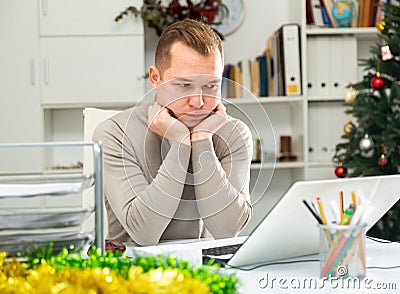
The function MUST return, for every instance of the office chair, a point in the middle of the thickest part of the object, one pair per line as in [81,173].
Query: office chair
[92,117]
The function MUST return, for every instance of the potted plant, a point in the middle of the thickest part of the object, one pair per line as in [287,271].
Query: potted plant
[157,15]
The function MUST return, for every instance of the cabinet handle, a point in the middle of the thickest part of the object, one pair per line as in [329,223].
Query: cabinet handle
[44,7]
[33,71]
[46,71]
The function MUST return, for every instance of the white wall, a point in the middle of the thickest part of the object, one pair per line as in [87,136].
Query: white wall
[262,18]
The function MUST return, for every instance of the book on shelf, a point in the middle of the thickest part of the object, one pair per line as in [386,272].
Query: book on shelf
[309,14]
[369,12]
[328,4]
[366,13]
[255,77]
[225,81]
[317,12]
[270,64]
[356,7]
[326,14]
[379,13]
[275,72]
[262,63]
[278,86]
[235,86]
[244,66]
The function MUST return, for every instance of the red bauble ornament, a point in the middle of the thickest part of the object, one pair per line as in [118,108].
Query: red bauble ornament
[382,160]
[377,82]
[340,171]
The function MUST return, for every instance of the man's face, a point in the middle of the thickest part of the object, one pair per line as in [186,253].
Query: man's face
[191,87]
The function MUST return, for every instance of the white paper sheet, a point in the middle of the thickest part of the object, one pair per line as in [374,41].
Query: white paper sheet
[27,190]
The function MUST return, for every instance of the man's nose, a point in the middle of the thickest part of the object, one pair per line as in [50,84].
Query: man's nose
[196,100]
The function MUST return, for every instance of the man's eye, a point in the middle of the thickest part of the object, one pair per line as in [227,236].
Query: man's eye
[182,85]
[211,86]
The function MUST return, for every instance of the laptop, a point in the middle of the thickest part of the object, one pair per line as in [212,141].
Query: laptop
[289,229]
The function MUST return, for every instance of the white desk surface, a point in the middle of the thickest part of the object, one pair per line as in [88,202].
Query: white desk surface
[291,278]
[297,277]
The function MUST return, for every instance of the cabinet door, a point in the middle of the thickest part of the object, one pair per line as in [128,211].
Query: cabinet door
[92,70]
[20,110]
[87,17]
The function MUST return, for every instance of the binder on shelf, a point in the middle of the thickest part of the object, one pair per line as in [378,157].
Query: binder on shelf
[326,122]
[332,65]
[343,64]
[290,59]
[318,61]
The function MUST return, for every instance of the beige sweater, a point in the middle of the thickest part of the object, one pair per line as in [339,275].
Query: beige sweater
[160,190]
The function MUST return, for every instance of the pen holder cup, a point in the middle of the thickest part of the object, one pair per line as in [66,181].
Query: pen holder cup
[342,251]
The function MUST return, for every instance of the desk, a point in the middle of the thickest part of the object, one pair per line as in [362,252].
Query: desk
[291,278]
[304,277]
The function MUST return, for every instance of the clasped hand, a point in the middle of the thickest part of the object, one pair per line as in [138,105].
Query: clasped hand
[162,122]
[207,127]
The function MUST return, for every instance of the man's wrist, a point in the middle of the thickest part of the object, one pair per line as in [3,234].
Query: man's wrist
[200,135]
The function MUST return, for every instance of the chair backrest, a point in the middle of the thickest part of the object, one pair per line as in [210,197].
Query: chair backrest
[92,117]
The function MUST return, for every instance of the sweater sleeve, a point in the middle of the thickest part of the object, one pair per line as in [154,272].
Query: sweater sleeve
[143,208]
[221,172]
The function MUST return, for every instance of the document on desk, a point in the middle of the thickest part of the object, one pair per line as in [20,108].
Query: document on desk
[29,190]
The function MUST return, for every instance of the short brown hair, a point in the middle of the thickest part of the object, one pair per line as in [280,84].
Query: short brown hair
[191,33]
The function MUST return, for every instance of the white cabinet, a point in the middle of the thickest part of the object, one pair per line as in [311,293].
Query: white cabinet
[20,109]
[87,17]
[57,57]
[92,70]
[89,59]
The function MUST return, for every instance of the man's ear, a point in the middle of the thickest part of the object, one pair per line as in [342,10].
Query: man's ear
[154,76]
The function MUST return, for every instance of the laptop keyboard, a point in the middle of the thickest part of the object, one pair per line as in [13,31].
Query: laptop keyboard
[222,250]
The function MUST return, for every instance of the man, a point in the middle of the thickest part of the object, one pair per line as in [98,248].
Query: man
[178,168]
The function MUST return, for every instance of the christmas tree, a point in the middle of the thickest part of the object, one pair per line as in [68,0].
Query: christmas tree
[371,143]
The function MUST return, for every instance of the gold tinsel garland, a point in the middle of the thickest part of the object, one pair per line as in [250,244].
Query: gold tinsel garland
[20,277]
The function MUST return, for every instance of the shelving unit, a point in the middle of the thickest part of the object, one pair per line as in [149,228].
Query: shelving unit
[319,118]
[325,113]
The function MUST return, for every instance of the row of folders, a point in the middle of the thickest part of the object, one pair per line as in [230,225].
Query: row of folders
[276,72]
[344,13]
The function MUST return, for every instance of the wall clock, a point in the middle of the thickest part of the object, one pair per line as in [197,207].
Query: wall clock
[235,18]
